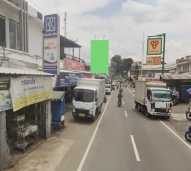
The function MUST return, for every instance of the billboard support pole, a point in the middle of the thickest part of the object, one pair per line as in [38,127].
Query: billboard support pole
[163,57]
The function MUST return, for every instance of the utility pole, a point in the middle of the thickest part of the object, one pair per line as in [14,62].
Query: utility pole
[65,24]
[163,57]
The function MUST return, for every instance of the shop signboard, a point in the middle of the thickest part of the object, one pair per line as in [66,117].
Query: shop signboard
[51,44]
[5,100]
[26,91]
[51,25]
[154,46]
[154,60]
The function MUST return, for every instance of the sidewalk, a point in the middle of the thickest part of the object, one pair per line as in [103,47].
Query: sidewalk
[48,154]
[178,112]
[46,157]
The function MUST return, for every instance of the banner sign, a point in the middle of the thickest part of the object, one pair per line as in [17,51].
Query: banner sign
[26,91]
[156,60]
[5,100]
[70,64]
[51,44]
[154,46]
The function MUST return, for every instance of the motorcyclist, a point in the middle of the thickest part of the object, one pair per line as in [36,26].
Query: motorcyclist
[120,96]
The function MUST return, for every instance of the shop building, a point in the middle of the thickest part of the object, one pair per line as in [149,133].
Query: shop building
[20,32]
[25,110]
[184,65]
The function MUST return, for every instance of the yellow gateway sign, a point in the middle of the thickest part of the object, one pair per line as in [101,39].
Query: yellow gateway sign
[154,46]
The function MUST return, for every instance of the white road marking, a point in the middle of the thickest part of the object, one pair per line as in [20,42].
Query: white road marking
[126,115]
[92,138]
[135,149]
[176,135]
[123,103]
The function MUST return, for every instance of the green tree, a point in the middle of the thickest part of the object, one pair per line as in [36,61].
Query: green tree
[116,62]
[127,62]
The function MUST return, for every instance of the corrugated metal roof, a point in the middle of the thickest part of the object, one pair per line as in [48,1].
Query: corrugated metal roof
[184,76]
[23,71]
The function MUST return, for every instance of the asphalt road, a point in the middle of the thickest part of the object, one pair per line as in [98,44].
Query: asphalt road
[125,140]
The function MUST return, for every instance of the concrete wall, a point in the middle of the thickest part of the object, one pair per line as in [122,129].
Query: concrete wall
[35,28]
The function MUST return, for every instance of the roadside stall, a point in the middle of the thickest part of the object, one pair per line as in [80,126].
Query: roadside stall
[26,110]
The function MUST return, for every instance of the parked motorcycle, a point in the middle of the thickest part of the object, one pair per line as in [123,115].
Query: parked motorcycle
[188,134]
[188,112]
[188,115]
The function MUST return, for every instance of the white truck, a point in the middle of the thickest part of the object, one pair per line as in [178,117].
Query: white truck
[153,98]
[88,98]
[108,87]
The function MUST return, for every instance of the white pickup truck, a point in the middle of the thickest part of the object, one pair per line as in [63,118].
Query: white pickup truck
[153,98]
[88,98]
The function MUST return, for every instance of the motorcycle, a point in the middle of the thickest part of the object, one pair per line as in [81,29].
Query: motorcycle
[188,134]
[188,114]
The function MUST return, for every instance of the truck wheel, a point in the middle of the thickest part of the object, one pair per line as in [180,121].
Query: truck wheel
[147,114]
[75,117]
[93,118]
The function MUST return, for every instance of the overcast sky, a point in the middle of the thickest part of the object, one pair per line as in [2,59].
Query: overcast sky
[124,22]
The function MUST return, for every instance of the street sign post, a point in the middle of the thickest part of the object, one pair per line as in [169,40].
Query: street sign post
[156,50]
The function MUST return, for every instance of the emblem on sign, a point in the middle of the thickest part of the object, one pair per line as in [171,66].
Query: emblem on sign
[154,46]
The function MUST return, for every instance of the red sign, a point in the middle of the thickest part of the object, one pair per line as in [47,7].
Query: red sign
[70,64]
[154,60]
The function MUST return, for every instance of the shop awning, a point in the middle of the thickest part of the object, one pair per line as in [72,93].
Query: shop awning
[23,71]
[184,76]
[67,43]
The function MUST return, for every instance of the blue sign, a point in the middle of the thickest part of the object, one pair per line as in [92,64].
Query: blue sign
[64,80]
[51,25]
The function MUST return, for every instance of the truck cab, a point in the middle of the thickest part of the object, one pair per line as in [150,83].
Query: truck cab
[158,101]
[153,98]
[108,87]
[88,98]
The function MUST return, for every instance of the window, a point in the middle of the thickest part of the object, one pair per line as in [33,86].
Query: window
[84,95]
[13,34]
[2,31]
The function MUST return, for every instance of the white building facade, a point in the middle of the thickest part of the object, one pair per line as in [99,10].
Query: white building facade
[21,35]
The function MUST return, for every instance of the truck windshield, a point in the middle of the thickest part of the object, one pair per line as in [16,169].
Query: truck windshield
[84,95]
[161,95]
[108,86]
